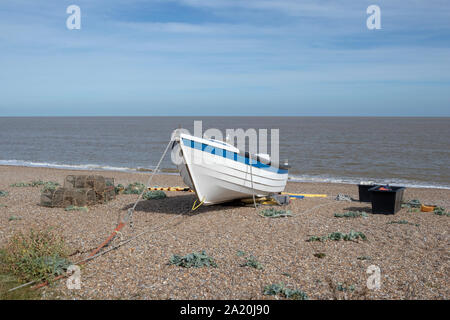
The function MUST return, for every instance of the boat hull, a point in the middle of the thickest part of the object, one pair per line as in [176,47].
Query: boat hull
[219,175]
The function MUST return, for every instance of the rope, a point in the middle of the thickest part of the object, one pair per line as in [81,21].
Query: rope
[130,211]
[128,240]
[21,286]
[251,179]
[196,207]
[170,189]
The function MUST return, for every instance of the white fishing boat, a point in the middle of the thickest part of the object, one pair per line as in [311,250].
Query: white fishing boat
[219,172]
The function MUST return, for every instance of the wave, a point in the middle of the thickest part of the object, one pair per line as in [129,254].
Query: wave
[22,163]
[357,180]
[293,178]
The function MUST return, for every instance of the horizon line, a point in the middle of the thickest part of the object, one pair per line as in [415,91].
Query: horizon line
[224,116]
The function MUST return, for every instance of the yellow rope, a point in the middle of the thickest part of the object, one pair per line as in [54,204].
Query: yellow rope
[196,207]
[306,195]
[171,189]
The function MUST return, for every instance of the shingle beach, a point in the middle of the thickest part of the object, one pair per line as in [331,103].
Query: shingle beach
[413,258]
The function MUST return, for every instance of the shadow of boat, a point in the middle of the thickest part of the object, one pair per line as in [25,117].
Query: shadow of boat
[177,205]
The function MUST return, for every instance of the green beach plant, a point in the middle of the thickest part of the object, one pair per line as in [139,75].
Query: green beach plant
[253,263]
[3,193]
[134,188]
[337,236]
[20,184]
[154,195]
[316,238]
[403,222]
[295,294]
[345,288]
[364,258]
[241,253]
[279,289]
[36,183]
[193,260]
[274,213]
[119,188]
[351,214]
[440,211]
[76,208]
[35,255]
[412,204]
[415,205]
[274,289]
[13,218]
[49,185]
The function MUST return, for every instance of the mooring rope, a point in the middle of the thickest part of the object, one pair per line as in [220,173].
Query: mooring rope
[131,210]
[251,179]
[195,207]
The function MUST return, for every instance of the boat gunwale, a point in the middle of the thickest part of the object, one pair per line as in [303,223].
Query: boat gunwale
[264,164]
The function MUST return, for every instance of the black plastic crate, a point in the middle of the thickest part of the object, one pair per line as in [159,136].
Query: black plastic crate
[364,194]
[386,201]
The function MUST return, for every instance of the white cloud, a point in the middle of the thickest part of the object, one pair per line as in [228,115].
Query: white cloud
[204,28]
[289,7]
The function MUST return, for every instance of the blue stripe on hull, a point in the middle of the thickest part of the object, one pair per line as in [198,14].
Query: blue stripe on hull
[230,155]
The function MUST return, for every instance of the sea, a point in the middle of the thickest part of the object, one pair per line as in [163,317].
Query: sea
[412,152]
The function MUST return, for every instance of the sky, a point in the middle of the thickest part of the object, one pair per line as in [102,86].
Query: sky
[225,57]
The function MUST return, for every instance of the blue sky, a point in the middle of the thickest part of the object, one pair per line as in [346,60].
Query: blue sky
[225,57]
